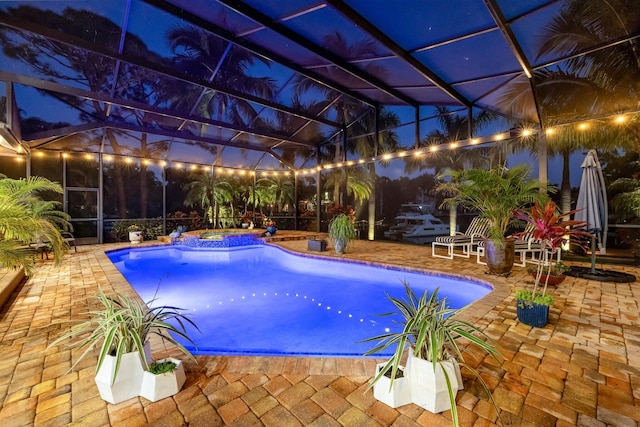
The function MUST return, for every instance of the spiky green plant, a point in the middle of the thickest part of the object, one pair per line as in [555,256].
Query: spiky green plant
[342,228]
[432,332]
[122,325]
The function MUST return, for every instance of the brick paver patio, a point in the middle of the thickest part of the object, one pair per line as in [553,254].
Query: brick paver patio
[582,369]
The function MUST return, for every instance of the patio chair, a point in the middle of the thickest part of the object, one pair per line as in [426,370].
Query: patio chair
[41,246]
[523,245]
[69,239]
[467,241]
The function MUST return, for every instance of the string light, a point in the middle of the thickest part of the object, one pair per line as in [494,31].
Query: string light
[525,132]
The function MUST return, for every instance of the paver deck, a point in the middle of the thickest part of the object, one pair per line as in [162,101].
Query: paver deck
[582,369]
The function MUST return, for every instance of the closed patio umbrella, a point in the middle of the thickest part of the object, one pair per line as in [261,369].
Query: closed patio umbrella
[592,203]
[592,208]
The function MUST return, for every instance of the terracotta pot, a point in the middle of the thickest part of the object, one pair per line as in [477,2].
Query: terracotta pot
[499,257]
[553,280]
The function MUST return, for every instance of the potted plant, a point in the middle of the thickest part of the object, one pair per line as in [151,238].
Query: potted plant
[342,231]
[432,332]
[271,226]
[495,194]
[553,275]
[163,379]
[393,390]
[547,226]
[120,327]
[135,234]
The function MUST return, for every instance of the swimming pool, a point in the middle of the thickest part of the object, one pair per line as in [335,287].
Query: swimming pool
[264,300]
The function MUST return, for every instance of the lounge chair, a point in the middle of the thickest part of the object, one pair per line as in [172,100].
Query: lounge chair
[41,246]
[69,240]
[523,245]
[475,233]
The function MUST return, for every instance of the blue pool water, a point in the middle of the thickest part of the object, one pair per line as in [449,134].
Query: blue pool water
[263,300]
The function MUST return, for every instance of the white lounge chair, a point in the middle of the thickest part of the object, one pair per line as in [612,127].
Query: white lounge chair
[467,241]
[523,245]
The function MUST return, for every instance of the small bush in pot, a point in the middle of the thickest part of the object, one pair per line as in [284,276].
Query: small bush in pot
[120,326]
[494,194]
[552,230]
[432,333]
[342,231]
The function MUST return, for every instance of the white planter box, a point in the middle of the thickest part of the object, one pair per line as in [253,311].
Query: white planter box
[129,379]
[397,395]
[135,237]
[428,388]
[156,387]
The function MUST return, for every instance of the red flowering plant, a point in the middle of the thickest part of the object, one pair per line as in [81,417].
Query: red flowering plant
[549,227]
[336,209]
[268,222]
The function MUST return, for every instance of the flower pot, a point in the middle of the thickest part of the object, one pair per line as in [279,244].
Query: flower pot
[155,387]
[340,246]
[499,258]
[429,388]
[395,395]
[128,380]
[271,229]
[532,314]
[135,237]
[317,245]
[553,280]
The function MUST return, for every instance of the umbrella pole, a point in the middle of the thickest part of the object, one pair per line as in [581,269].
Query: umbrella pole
[593,254]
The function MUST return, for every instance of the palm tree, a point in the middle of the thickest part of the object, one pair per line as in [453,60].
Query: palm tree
[204,55]
[280,190]
[364,146]
[25,217]
[352,181]
[200,193]
[454,127]
[600,81]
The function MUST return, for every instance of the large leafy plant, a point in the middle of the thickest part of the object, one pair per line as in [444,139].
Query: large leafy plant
[342,228]
[494,193]
[122,325]
[26,217]
[432,332]
[550,227]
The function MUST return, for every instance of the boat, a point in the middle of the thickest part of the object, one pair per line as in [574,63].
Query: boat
[414,223]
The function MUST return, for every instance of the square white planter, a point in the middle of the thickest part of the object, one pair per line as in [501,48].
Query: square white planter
[135,237]
[127,382]
[156,387]
[428,387]
[397,395]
